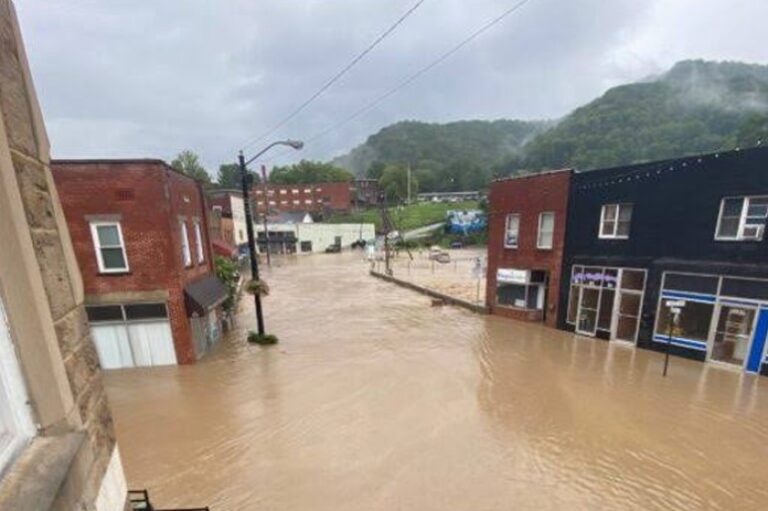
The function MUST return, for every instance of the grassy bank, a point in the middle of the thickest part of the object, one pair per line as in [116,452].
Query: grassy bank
[405,217]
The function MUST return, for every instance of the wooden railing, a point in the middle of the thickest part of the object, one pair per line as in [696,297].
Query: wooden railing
[139,500]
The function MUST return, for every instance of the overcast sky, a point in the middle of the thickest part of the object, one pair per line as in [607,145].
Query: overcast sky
[148,78]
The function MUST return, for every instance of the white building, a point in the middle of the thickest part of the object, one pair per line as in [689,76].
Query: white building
[306,237]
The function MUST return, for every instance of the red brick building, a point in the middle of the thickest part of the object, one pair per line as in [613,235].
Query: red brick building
[526,238]
[140,234]
[314,198]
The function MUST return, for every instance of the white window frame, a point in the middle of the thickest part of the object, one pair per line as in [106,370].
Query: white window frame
[506,230]
[614,235]
[199,243]
[186,253]
[97,246]
[742,220]
[16,425]
[539,231]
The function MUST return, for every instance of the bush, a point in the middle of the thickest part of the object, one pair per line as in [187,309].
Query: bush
[257,287]
[263,340]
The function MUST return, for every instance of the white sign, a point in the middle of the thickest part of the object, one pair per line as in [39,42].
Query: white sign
[676,310]
[512,276]
[675,303]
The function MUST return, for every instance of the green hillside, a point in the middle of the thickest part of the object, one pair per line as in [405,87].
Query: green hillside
[695,107]
[453,156]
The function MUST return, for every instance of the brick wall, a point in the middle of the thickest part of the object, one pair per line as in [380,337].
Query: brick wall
[316,197]
[527,196]
[151,200]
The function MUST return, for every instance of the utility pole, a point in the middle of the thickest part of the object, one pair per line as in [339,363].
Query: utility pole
[245,184]
[409,182]
[266,211]
[251,242]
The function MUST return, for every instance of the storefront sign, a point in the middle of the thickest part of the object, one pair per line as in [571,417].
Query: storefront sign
[512,276]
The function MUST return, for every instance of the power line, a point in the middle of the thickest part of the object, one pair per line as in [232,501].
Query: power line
[415,76]
[335,77]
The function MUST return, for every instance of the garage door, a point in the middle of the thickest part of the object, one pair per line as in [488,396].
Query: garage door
[134,344]
[132,335]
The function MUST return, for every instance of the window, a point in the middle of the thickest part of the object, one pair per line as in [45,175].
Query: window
[15,423]
[110,248]
[307,190]
[546,230]
[283,192]
[694,322]
[742,218]
[512,231]
[185,253]
[615,220]
[199,244]
[126,312]
[295,190]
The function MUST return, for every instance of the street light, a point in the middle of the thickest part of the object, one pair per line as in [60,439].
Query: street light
[295,144]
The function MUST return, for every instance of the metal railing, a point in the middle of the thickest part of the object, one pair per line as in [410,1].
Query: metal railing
[139,500]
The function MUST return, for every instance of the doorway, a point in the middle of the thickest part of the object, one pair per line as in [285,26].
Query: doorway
[733,334]
[589,300]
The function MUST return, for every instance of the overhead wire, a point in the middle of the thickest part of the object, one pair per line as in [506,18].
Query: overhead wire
[328,84]
[413,77]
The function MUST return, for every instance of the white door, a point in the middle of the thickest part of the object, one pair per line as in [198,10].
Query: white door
[112,346]
[152,343]
[134,344]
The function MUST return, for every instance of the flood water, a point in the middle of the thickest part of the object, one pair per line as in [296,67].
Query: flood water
[374,400]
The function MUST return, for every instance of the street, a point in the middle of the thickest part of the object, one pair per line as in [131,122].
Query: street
[374,400]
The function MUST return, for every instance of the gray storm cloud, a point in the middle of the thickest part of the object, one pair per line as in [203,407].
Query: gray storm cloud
[121,79]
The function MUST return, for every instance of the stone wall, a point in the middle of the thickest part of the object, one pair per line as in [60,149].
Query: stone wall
[71,409]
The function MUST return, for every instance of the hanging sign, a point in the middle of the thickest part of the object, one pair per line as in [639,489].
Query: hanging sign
[675,303]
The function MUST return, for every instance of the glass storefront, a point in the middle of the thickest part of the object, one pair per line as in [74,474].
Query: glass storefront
[607,299]
[521,289]
[724,317]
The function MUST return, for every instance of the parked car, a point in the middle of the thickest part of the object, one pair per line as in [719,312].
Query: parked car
[438,254]
[457,244]
[333,249]
[359,243]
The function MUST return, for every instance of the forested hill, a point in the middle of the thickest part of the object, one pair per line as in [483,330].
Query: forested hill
[695,107]
[461,153]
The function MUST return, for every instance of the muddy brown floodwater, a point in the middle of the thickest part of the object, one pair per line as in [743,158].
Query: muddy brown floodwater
[374,400]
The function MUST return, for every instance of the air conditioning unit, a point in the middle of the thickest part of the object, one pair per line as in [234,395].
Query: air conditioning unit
[753,232]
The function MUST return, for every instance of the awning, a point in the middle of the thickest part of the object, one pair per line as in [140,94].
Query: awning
[204,294]
[224,249]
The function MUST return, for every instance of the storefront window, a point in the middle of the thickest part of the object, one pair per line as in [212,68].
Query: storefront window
[694,323]
[606,309]
[633,279]
[513,295]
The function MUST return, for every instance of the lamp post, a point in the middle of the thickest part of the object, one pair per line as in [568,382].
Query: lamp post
[295,144]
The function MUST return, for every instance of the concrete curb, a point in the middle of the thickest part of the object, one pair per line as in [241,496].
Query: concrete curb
[450,300]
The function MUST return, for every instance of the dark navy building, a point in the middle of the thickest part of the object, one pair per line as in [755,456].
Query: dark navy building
[685,237]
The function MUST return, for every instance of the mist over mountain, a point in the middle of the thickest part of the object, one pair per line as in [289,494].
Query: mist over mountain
[697,106]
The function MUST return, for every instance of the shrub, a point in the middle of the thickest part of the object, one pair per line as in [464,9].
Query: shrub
[263,340]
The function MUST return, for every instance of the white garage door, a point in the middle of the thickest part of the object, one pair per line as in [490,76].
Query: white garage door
[134,344]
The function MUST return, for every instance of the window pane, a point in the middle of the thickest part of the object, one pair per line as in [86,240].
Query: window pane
[609,227]
[610,212]
[108,236]
[758,208]
[104,313]
[513,224]
[633,279]
[547,222]
[610,278]
[545,240]
[743,288]
[606,310]
[623,228]
[593,276]
[733,207]
[729,227]
[692,283]
[145,311]
[629,305]
[625,212]
[694,322]
[511,294]
[590,298]
[113,258]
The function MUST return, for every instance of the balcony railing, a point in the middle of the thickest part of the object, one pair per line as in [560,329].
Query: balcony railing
[139,500]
